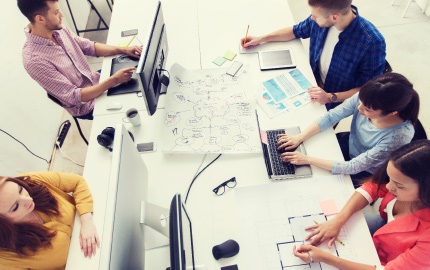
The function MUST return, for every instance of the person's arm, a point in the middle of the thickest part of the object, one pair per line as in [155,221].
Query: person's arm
[284,34]
[317,94]
[376,155]
[58,85]
[330,229]
[91,92]
[76,184]
[292,141]
[306,252]
[108,50]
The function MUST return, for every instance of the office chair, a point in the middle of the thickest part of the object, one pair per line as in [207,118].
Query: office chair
[387,67]
[54,99]
[420,133]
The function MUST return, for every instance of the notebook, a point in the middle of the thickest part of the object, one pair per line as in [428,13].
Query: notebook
[132,85]
[276,168]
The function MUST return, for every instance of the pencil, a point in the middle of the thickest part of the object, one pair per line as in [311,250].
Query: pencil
[131,40]
[246,36]
[337,239]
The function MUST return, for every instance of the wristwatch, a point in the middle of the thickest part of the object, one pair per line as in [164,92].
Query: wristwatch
[333,98]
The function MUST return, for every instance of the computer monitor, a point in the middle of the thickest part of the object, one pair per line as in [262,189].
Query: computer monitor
[129,217]
[152,63]
[181,252]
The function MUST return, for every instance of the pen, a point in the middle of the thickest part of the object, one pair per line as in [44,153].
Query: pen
[131,40]
[337,239]
[246,36]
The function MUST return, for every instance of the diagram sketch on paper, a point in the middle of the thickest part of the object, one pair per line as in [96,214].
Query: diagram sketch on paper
[208,112]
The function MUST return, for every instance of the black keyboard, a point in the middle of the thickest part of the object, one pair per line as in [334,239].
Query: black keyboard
[279,167]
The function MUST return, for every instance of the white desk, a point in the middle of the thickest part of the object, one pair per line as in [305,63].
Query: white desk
[194,38]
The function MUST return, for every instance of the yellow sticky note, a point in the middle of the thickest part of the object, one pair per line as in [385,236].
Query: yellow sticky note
[229,55]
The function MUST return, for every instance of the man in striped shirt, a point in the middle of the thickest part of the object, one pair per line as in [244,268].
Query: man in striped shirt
[55,58]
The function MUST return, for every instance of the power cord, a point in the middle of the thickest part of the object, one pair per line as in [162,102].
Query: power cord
[57,143]
[197,175]
[64,155]
[25,146]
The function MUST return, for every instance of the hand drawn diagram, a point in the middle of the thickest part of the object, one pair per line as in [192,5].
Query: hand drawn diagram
[207,112]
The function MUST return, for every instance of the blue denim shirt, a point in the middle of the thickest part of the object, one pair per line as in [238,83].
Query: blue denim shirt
[358,57]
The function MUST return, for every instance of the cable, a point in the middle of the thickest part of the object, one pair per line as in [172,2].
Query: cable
[25,146]
[195,177]
[66,156]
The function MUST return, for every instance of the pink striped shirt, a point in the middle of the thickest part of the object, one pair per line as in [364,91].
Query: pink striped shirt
[62,70]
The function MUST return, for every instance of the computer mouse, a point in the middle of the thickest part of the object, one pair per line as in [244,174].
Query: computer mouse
[225,250]
[113,106]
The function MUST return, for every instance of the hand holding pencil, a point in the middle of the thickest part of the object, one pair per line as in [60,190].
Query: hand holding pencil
[328,230]
[249,41]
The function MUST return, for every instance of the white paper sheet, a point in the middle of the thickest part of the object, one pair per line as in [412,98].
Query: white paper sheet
[273,219]
[208,112]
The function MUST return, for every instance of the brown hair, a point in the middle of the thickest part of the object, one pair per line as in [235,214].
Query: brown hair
[31,8]
[24,237]
[341,6]
[391,92]
[412,160]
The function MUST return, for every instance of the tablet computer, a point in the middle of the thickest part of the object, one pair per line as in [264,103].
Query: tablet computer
[276,59]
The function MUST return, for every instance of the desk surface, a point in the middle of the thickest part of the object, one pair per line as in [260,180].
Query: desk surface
[194,41]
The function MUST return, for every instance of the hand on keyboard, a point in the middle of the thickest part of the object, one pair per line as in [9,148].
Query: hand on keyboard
[295,158]
[288,142]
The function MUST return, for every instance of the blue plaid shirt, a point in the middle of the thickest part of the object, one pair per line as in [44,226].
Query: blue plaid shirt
[358,57]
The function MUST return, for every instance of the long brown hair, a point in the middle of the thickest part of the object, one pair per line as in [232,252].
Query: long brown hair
[25,238]
[412,160]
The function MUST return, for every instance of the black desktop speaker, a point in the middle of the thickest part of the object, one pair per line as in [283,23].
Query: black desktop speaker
[105,138]
[225,250]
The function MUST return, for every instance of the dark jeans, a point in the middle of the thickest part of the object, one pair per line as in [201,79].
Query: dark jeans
[88,116]
[343,140]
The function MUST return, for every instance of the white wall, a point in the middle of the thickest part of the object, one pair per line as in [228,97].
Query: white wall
[25,111]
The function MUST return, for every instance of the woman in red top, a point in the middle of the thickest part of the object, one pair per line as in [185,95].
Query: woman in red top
[404,186]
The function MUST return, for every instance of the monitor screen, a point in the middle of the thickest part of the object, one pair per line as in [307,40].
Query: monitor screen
[181,236]
[152,63]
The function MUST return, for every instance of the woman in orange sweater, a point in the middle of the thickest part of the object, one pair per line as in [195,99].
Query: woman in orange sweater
[37,216]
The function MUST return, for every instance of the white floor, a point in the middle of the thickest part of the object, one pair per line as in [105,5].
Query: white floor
[408,52]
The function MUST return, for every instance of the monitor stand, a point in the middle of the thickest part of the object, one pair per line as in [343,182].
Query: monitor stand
[156,218]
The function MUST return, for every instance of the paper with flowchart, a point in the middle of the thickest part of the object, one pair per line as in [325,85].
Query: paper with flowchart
[284,93]
[207,111]
[273,219]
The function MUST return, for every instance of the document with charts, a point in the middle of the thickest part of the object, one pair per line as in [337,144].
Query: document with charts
[207,111]
[284,93]
[273,217]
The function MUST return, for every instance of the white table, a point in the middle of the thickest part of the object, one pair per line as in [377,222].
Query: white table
[198,31]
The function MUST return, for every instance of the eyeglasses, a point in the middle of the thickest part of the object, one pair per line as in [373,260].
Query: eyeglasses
[231,183]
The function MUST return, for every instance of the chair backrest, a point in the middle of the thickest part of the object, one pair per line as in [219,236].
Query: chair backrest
[54,99]
[51,97]
[420,133]
[387,67]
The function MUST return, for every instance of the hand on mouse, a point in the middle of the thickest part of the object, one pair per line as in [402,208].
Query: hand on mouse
[123,75]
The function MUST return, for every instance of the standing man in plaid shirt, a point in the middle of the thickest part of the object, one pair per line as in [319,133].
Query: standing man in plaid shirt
[55,58]
[345,49]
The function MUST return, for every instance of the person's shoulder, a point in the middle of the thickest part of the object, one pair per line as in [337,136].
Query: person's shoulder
[369,31]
